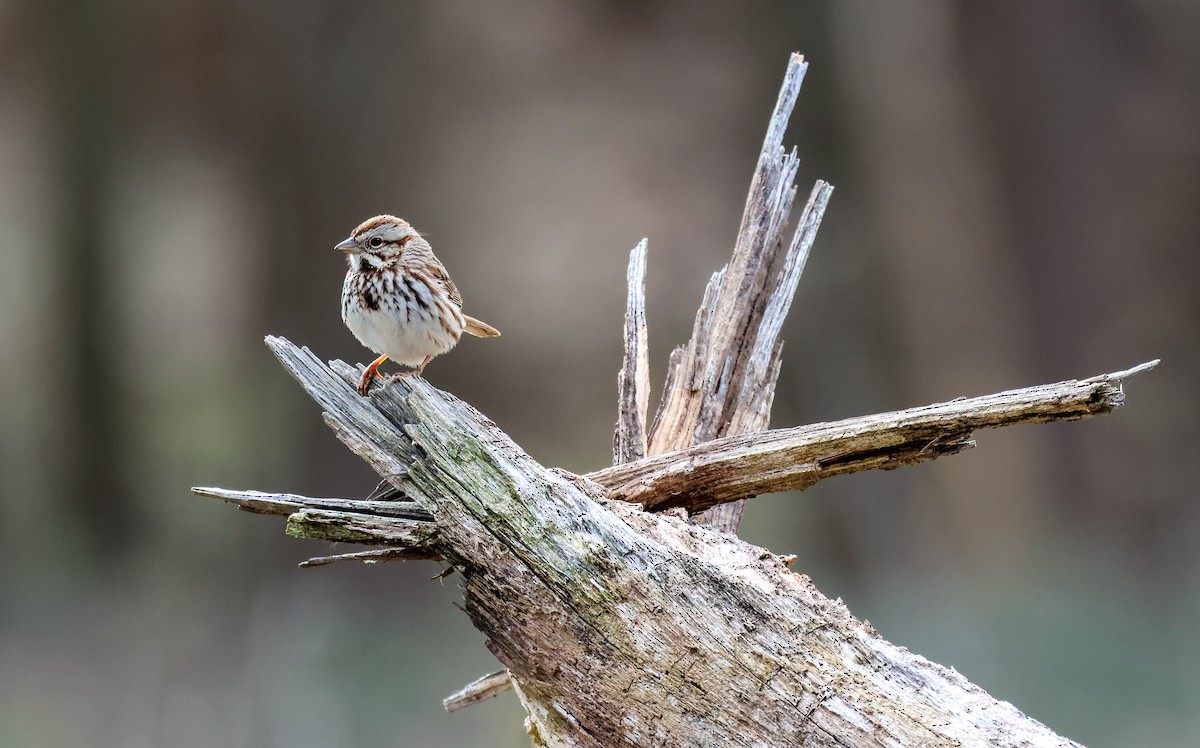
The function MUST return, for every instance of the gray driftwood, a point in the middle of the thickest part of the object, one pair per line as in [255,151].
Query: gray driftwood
[621,625]
[722,382]
[732,468]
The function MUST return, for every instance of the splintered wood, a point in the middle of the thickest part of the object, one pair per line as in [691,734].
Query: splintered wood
[633,384]
[722,382]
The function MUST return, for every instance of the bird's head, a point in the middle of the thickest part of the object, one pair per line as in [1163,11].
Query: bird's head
[382,237]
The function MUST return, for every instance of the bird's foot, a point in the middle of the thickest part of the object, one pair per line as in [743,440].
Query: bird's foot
[372,371]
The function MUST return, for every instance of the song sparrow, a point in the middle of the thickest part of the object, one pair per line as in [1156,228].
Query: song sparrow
[398,299]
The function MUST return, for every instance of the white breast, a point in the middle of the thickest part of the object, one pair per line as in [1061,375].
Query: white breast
[405,333]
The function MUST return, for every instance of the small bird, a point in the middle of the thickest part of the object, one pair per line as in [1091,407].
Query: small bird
[398,299]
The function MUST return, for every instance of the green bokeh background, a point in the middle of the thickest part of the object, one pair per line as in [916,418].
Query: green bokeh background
[1017,202]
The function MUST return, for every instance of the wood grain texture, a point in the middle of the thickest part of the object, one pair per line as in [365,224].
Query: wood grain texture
[722,382]
[261,502]
[622,627]
[633,381]
[793,459]
[487,687]
[402,525]
[367,557]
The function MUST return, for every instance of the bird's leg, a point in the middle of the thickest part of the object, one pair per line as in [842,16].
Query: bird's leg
[421,368]
[370,373]
[415,372]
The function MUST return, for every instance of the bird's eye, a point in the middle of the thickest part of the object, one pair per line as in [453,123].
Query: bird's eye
[375,242]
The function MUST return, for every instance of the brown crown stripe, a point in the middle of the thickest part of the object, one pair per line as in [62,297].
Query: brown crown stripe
[375,222]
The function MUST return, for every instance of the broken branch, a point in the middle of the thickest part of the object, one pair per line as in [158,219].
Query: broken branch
[476,691]
[793,459]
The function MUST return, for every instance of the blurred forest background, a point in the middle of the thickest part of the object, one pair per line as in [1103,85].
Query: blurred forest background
[1017,202]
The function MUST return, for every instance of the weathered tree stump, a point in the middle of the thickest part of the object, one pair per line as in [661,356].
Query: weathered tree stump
[622,612]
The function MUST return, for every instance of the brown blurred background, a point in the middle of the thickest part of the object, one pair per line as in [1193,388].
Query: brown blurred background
[1018,201]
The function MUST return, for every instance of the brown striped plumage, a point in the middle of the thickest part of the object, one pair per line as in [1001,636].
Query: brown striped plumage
[398,300]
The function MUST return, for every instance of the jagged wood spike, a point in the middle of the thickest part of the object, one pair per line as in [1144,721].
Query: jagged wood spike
[633,381]
[725,382]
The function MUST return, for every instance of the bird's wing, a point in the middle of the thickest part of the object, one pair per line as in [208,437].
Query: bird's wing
[439,274]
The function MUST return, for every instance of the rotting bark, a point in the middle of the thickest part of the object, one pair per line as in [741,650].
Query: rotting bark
[619,626]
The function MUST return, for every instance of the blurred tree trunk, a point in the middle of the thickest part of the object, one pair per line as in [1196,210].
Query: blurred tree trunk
[85,54]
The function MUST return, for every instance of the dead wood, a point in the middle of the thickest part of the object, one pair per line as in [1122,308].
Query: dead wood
[619,626]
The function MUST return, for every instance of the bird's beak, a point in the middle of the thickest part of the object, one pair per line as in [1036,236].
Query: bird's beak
[349,246]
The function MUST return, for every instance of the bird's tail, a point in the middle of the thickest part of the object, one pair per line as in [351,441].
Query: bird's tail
[480,329]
